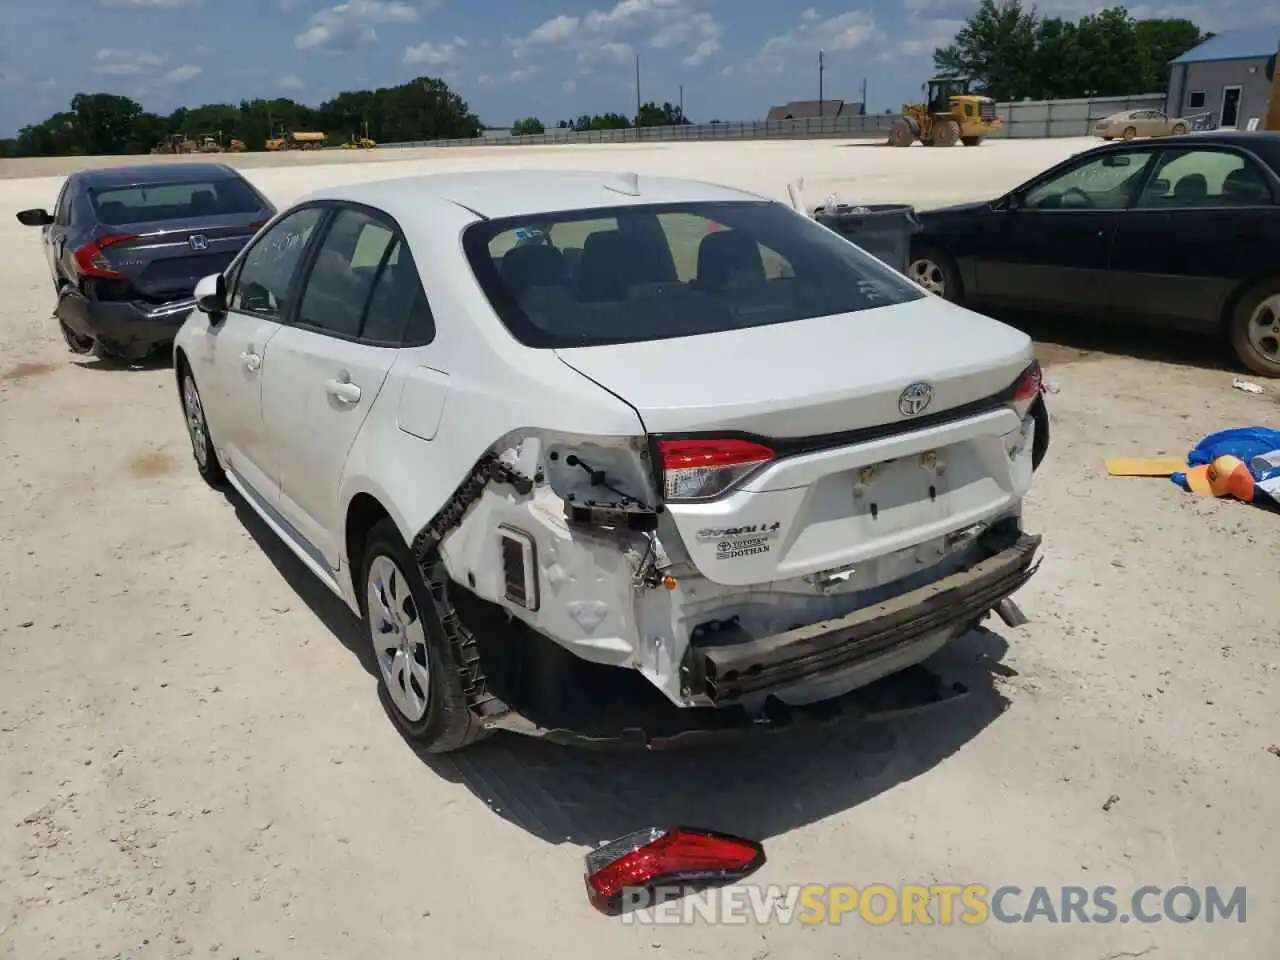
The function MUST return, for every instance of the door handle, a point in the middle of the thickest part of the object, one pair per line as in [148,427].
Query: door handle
[342,390]
[252,362]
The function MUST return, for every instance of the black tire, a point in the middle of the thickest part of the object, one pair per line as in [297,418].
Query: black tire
[1130,133]
[78,344]
[202,450]
[951,287]
[448,723]
[901,134]
[1252,319]
[1040,443]
[971,141]
[1179,130]
[946,133]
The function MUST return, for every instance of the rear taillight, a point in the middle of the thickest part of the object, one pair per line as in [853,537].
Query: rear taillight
[90,258]
[704,469]
[1027,389]
[679,856]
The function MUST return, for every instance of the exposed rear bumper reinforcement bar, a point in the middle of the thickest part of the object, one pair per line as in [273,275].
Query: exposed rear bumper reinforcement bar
[729,671]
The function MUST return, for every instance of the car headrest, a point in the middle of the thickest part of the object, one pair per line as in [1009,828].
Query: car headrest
[1193,188]
[534,265]
[726,255]
[604,271]
[203,201]
[1245,186]
[112,210]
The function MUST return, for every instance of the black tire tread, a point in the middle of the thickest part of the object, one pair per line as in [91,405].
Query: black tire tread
[449,724]
[211,471]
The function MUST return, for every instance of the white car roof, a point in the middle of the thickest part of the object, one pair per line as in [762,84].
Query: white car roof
[510,193]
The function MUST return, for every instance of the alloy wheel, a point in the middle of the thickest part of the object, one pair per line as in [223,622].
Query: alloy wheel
[1264,329]
[929,275]
[399,638]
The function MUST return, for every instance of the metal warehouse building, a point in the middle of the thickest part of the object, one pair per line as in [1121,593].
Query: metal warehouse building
[1226,77]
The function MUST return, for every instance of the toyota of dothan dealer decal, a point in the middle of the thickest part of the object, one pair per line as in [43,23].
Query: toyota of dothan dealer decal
[742,541]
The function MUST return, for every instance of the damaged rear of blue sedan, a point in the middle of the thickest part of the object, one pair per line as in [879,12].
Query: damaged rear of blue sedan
[125,246]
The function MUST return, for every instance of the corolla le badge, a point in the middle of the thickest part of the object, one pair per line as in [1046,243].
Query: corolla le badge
[198,241]
[915,399]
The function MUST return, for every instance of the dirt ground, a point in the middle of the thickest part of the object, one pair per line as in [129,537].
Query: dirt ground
[194,761]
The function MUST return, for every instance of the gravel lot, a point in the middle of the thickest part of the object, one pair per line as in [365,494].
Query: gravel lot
[194,761]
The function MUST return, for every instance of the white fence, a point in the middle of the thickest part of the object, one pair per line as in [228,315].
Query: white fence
[1025,119]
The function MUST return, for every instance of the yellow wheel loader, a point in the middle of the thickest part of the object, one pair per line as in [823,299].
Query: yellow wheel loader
[951,114]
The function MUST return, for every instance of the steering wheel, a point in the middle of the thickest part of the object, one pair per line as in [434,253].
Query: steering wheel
[1084,200]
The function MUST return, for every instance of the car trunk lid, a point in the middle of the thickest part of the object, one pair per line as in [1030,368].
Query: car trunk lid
[163,261]
[865,460]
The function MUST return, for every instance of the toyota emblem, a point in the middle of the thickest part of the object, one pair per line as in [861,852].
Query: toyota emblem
[915,399]
[198,241]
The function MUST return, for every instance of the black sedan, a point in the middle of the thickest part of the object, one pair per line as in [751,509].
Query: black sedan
[1182,233]
[126,245]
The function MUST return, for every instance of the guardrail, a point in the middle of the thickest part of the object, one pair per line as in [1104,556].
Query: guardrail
[1023,119]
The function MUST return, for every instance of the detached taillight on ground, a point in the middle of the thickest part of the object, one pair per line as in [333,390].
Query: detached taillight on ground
[1027,389]
[675,857]
[90,258]
[702,469]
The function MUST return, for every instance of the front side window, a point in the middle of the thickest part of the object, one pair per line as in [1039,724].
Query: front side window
[344,273]
[1205,178]
[1104,183]
[261,284]
[656,271]
[147,203]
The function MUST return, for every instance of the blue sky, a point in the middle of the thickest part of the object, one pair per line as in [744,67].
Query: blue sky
[507,58]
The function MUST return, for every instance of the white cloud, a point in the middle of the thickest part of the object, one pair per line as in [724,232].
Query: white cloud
[125,63]
[290,83]
[523,73]
[181,74]
[436,54]
[679,25]
[350,25]
[569,86]
[839,34]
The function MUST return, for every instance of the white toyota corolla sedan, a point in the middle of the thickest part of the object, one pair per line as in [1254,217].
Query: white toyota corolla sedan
[582,449]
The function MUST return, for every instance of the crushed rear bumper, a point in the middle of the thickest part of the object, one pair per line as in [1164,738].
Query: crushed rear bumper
[739,666]
[132,329]
[887,640]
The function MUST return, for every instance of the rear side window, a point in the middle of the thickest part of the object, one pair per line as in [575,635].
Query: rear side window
[344,273]
[656,271]
[143,203]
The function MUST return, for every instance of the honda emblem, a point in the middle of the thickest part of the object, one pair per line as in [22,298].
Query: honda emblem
[198,241]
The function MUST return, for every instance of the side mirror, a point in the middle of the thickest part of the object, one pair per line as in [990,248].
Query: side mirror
[36,217]
[211,295]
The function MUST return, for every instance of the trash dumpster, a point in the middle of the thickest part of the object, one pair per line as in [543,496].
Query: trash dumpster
[884,230]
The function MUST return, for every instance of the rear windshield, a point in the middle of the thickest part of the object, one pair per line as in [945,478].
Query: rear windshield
[651,272]
[145,203]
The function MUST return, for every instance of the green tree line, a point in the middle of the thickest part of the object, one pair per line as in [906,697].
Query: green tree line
[109,124]
[651,115]
[1015,53]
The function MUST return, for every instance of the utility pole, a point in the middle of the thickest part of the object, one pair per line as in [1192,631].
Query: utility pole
[682,99]
[637,89]
[821,68]
[864,96]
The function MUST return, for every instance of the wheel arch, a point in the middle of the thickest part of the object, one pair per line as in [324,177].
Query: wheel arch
[1242,289]
[364,511]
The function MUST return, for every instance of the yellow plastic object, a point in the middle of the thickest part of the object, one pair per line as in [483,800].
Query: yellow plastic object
[1145,466]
